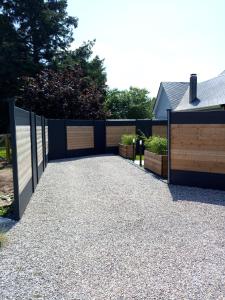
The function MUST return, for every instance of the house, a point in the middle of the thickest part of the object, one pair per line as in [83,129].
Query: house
[190,96]
[206,95]
[169,97]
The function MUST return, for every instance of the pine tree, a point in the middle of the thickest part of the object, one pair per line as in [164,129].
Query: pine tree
[32,34]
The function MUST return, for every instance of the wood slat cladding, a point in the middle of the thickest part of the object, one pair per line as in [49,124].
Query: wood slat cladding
[126,151]
[198,147]
[156,163]
[23,142]
[159,130]
[80,137]
[114,133]
[46,141]
[39,145]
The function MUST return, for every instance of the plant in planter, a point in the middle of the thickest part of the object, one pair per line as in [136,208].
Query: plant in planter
[156,159]
[126,148]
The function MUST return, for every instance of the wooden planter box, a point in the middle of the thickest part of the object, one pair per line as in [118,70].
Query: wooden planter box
[126,151]
[156,163]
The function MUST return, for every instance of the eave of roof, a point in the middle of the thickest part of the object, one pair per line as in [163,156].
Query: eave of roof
[210,93]
[174,92]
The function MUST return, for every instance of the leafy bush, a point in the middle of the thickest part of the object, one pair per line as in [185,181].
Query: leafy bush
[64,94]
[127,139]
[147,141]
[4,211]
[134,103]
[156,144]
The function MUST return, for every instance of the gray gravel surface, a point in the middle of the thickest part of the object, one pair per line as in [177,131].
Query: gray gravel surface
[100,228]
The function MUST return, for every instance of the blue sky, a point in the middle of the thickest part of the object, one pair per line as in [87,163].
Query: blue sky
[145,42]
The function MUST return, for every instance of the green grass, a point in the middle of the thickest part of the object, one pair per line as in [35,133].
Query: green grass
[3,152]
[4,211]
[138,157]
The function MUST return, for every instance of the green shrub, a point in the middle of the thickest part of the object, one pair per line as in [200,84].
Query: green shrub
[3,211]
[147,141]
[127,139]
[156,144]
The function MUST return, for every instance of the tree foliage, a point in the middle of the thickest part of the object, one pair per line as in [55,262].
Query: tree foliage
[69,94]
[74,77]
[82,56]
[4,117]
[134,103]
[32,33]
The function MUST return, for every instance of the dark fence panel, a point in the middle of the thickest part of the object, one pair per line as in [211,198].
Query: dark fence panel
[197,149]
[16,202]
[28,144]
[71,138]
[99,137]
[22,158]
[57,139]
[144,127]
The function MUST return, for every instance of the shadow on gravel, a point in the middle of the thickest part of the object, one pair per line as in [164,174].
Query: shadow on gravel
[79,158]
[6,224]
[193,194]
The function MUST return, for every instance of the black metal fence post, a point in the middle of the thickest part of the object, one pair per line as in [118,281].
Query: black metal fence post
[43,141]
[134,152]
[140,151]
[169,143]
[16,205]
[46,141]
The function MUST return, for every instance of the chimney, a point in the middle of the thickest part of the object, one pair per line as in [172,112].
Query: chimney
[193,88]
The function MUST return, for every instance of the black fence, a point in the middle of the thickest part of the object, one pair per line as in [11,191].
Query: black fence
[71,138]
[196,146]
[29,154]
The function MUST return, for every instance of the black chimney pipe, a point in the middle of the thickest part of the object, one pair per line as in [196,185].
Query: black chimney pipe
[193,88]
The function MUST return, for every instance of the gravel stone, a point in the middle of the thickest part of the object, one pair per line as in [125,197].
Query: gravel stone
[101,228]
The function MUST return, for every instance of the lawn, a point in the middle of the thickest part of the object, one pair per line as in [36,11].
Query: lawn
[3,152]
[138,157]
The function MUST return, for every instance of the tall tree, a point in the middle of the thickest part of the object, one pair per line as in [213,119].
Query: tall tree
[64,94]
[134,103]
[82,56]
[14,58]
[33,33]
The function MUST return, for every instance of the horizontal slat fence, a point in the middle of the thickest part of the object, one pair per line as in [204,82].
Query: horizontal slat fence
[40,157]
[114,133]
[197,149]
[71,138]
[46,141]
[159,130]
[28,155]
[80,137]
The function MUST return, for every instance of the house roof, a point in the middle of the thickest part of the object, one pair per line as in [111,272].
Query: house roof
[175,91]
[210,93]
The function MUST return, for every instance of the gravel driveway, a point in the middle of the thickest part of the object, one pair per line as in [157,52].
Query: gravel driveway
[101,228]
